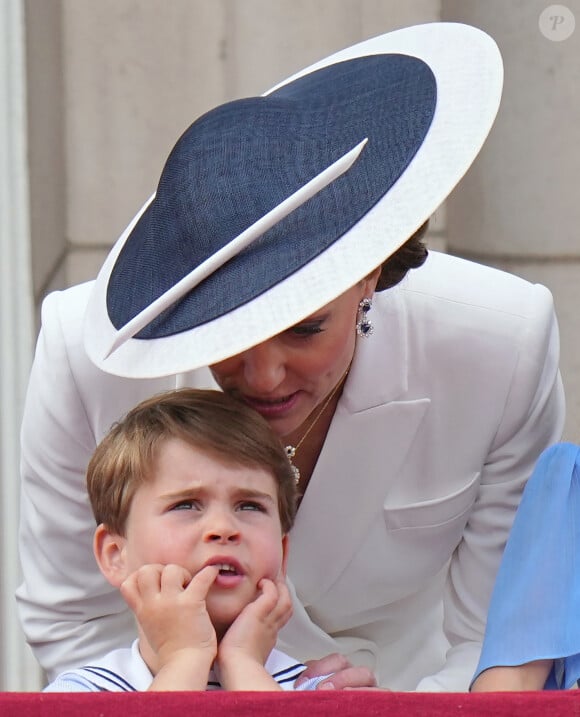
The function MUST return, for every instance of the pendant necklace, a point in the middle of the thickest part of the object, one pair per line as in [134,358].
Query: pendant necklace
[291,450]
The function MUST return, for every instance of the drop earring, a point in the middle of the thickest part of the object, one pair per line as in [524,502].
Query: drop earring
[363,326]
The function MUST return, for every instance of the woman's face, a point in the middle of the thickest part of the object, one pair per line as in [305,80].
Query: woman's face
[286,377]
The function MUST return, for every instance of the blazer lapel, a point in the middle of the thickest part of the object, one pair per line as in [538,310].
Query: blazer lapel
[370,436]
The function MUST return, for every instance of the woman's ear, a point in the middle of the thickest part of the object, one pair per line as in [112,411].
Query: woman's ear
[370,282]
[109,550]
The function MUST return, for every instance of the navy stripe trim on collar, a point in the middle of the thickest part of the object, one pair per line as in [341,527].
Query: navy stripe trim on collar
[109,676]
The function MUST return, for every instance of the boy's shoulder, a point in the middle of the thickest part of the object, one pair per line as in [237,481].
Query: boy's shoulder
[284,669]
[122,670]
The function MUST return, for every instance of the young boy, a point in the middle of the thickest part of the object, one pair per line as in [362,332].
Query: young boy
[194,497]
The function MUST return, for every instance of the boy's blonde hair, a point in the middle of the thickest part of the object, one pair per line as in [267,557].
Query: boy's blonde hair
[210,421]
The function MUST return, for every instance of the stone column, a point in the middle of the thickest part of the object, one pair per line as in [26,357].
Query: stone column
[18,670]
[518,207]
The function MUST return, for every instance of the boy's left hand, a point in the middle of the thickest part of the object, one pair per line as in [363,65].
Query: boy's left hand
[254,632]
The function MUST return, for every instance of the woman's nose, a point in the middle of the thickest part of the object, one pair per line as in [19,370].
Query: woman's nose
[264,367]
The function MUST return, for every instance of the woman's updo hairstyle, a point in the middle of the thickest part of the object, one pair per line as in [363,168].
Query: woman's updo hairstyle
[411,255]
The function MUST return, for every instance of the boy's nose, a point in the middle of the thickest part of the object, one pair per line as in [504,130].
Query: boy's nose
[221,528]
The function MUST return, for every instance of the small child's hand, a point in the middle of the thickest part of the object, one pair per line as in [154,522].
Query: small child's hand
[170,608]
[253,634]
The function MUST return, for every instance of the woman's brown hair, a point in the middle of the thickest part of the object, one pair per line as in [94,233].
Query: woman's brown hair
[411,255]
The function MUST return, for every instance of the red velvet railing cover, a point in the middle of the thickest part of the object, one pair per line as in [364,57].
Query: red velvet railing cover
[310,704]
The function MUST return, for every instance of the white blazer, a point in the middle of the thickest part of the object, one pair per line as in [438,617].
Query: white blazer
[399,536]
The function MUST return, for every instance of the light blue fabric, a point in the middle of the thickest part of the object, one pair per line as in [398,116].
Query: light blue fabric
[535,607]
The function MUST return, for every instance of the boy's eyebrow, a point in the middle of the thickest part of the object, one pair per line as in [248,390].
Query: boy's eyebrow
[253,493]
[182,494]
[198,489]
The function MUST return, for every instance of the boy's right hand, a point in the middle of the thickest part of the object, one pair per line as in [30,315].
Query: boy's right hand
[169,605]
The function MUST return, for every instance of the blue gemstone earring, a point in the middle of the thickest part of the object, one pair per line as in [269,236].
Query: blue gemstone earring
[363,326]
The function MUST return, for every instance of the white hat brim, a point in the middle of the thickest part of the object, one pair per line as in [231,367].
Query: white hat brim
[468,70]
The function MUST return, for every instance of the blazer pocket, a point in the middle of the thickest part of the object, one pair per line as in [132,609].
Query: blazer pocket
[428,532]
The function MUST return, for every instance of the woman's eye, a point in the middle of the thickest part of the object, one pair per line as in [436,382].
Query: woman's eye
[307,329]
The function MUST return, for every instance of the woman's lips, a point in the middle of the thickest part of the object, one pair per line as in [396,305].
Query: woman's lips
[272,407]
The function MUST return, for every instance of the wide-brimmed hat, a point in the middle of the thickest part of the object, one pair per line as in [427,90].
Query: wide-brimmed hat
[270,207]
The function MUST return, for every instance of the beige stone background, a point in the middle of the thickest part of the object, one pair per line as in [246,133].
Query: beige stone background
[110,84]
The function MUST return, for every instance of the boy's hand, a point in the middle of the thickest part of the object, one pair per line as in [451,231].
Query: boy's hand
[170,608]
[253,634]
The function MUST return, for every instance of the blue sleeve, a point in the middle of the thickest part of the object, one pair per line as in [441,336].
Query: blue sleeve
[535,606]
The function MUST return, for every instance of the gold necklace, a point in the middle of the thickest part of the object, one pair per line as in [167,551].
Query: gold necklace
[291,450]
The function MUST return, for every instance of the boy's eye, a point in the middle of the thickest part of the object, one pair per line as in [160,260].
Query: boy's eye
[185,505]
[251,505]
[308,328]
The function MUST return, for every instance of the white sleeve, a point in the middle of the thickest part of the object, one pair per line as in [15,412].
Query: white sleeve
[71,682]
[533,419]
[63,592]
[312,683]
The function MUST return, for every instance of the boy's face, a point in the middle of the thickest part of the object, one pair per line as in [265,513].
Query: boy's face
[198,510]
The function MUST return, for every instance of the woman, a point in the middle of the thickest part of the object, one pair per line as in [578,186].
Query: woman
[413,406]
[532,639]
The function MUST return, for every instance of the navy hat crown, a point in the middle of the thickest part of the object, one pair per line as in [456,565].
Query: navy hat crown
[243,158]
[268,208]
